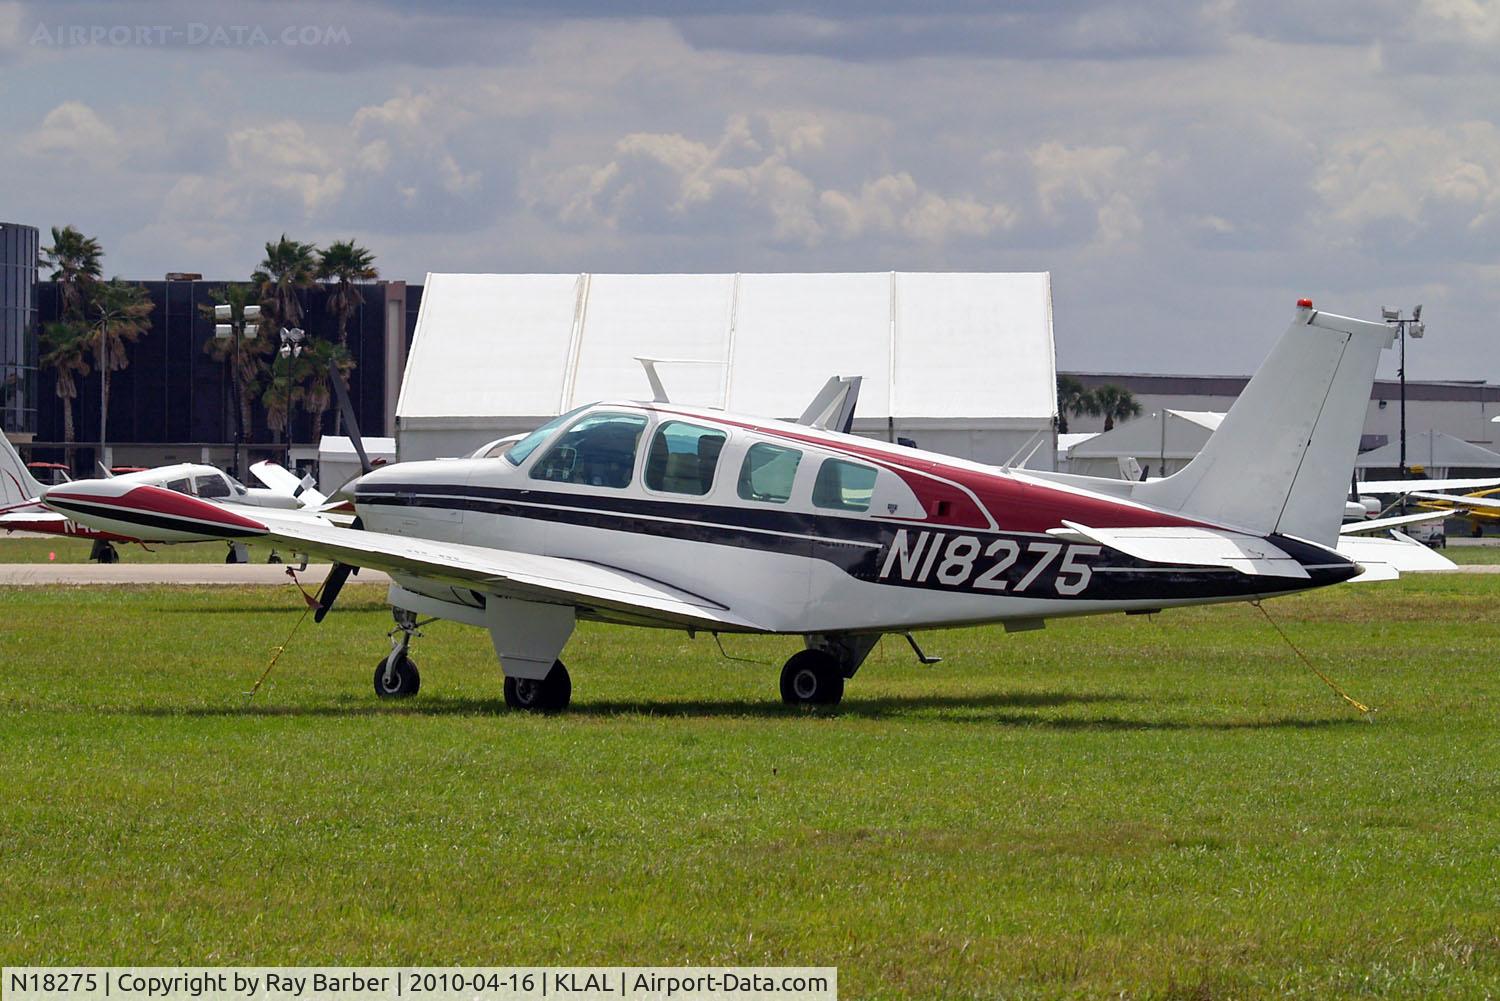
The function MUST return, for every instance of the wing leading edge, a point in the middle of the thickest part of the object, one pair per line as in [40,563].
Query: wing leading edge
[498,572]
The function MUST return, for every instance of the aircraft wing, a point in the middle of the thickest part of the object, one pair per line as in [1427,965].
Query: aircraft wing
[504,573]
[1189,546]
[1382,524]
[1407,486]
[1457,500]
[32,521]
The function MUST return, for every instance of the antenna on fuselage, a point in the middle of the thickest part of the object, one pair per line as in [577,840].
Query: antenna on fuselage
[658,391]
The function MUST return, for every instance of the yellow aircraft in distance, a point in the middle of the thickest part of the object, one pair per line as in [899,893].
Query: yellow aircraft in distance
[1482,509]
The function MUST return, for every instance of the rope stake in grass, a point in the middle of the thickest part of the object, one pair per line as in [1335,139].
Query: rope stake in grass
[311,602]
[1364,709]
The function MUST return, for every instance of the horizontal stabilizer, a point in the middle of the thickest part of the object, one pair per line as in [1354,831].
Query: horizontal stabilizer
[1388,558]
[1195,547]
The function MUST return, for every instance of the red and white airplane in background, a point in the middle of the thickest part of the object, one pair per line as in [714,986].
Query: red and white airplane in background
[21,508]
[678,517]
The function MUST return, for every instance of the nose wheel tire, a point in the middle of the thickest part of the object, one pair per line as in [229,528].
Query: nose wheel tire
[812,678]
[546,695]
[401,682]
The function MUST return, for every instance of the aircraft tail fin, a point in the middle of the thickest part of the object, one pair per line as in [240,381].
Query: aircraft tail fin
[17,485]
[1282,458]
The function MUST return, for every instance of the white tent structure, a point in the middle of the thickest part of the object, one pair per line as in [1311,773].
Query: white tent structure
[1438,454]
[1162,442]
[961,363]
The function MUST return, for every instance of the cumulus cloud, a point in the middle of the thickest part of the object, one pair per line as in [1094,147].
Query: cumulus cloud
[753,180]
[1413,180]
[73,131]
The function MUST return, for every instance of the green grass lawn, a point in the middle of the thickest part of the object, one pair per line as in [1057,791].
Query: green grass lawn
[1472,554]
[1168,807]
[60,549]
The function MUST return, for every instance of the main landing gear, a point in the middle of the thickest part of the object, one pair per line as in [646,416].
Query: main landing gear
[815,677]
[103,551]
[545,695]
[396,675]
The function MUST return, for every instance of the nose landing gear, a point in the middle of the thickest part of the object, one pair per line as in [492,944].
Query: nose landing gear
[396,675]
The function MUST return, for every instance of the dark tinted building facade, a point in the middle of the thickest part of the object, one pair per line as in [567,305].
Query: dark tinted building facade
[18,328]
[175,402]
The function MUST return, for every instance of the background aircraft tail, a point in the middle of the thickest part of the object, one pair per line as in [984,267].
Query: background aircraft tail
[1282,458]
[17,485]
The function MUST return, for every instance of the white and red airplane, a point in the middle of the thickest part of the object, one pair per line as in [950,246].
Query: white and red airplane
[21,508]
[678,517]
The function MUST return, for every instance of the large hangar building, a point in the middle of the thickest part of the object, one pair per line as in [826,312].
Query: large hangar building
[958,363]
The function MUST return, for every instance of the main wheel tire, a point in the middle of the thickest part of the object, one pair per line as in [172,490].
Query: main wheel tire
[812,678]
[104,552]
[548,695]
[404,682]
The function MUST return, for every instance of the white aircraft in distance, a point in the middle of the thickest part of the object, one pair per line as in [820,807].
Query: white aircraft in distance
[654,514]
[21,508]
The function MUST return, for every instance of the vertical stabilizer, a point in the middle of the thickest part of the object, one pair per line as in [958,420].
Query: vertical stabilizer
[1282,458]
[17,485]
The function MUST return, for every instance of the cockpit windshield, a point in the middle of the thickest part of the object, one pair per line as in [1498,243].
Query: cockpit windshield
[520,450]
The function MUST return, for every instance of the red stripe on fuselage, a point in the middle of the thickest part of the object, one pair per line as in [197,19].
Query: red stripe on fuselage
[158,500]
[1015,506]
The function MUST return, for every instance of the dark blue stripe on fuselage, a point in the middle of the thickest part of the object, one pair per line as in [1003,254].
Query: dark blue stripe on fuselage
[857,545]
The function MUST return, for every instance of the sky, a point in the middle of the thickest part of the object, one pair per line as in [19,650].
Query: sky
[1185,170]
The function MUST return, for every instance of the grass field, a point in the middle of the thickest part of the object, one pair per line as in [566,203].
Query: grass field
[59,549]
[1168,807]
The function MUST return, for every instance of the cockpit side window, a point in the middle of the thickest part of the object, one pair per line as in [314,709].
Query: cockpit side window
[843,486]
[518,452]
[683,458]
[182,486]
[212,486]
[768,472]
[597,451]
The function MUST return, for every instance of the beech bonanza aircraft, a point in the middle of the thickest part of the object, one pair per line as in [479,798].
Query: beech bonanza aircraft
[21,509]
[655,514]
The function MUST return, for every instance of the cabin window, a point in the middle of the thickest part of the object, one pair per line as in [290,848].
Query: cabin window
[683,458]
[182,486]
[598,451]
[518,452]
[212,486]
[768,473]
[844,486]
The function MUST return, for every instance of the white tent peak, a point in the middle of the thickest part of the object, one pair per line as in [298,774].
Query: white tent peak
[1431,449]
[953,354]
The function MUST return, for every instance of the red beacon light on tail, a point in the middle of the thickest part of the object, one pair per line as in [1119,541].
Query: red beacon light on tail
[1304,304]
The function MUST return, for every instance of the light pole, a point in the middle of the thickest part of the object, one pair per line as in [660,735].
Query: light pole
[223,331]
[1416,328]
[291,349]
[102,358]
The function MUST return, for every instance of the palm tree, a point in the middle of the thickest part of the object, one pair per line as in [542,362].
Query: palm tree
[289,267]
[344,263]
[65,345]
[278,395]
[317,392]
[74,260]
[247,360]
[1115,403]
[124,311]
[1073,400]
